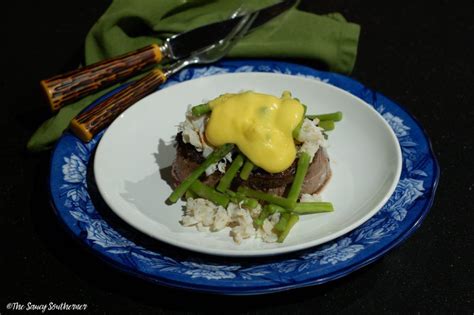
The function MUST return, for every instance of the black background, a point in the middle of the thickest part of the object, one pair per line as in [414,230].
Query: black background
[417,53]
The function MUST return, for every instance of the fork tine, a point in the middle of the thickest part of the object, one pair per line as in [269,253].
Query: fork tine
[218,50]
[238,32]
[224,46]
[245,28]
[241,28]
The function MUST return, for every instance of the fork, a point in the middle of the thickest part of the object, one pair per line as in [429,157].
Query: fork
[90,122]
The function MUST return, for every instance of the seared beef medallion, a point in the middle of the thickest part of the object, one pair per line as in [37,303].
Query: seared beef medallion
[319,172]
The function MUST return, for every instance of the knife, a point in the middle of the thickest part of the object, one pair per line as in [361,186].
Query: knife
[65,88]
[91,121]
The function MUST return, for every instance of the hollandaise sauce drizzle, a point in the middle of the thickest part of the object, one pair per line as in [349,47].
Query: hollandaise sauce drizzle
[260,125]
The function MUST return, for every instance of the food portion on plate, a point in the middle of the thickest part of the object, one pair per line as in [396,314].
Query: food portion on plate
[253,163]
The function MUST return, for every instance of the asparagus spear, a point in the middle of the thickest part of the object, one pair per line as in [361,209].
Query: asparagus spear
[246,170]
[312,207]
[276,208]
[249,203]
[291,222]
[200,109]
[280,201]
[301,169]
[239,197]
[327,125]
[229,175]
[266,211]
[214,157]
[209,193]
[337,116]
[281,225]
[189,194]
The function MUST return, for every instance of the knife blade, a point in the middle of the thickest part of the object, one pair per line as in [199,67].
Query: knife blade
[66,88]
[182,45]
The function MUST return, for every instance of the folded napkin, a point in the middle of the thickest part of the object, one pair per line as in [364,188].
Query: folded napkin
[130,24]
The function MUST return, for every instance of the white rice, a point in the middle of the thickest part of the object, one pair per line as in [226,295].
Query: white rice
[311,198]
[207,216]
[312,137]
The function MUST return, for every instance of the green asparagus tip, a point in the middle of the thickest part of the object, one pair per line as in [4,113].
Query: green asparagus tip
[291,222]
[327,125]
[246,170]
[200,109]
[312,207]
[336,116]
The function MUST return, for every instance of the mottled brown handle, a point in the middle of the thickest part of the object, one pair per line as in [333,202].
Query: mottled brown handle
[89,123]
[66,88]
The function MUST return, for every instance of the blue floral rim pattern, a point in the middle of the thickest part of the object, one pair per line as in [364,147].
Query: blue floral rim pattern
[399,217]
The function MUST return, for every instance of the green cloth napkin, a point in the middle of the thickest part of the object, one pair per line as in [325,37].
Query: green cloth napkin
[131,24]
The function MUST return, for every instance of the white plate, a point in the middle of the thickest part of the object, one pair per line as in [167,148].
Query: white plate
[364,152]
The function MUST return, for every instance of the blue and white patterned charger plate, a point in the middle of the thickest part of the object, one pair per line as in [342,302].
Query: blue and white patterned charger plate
[84,214]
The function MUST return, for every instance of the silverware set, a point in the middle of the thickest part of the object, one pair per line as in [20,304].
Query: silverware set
[203,45]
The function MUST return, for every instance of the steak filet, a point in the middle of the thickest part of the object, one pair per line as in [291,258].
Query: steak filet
[319,172]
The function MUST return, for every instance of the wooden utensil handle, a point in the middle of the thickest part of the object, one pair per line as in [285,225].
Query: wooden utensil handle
[89,123]
[66,88]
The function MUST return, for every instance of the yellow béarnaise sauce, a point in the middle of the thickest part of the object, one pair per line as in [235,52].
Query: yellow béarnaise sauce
[260,125]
